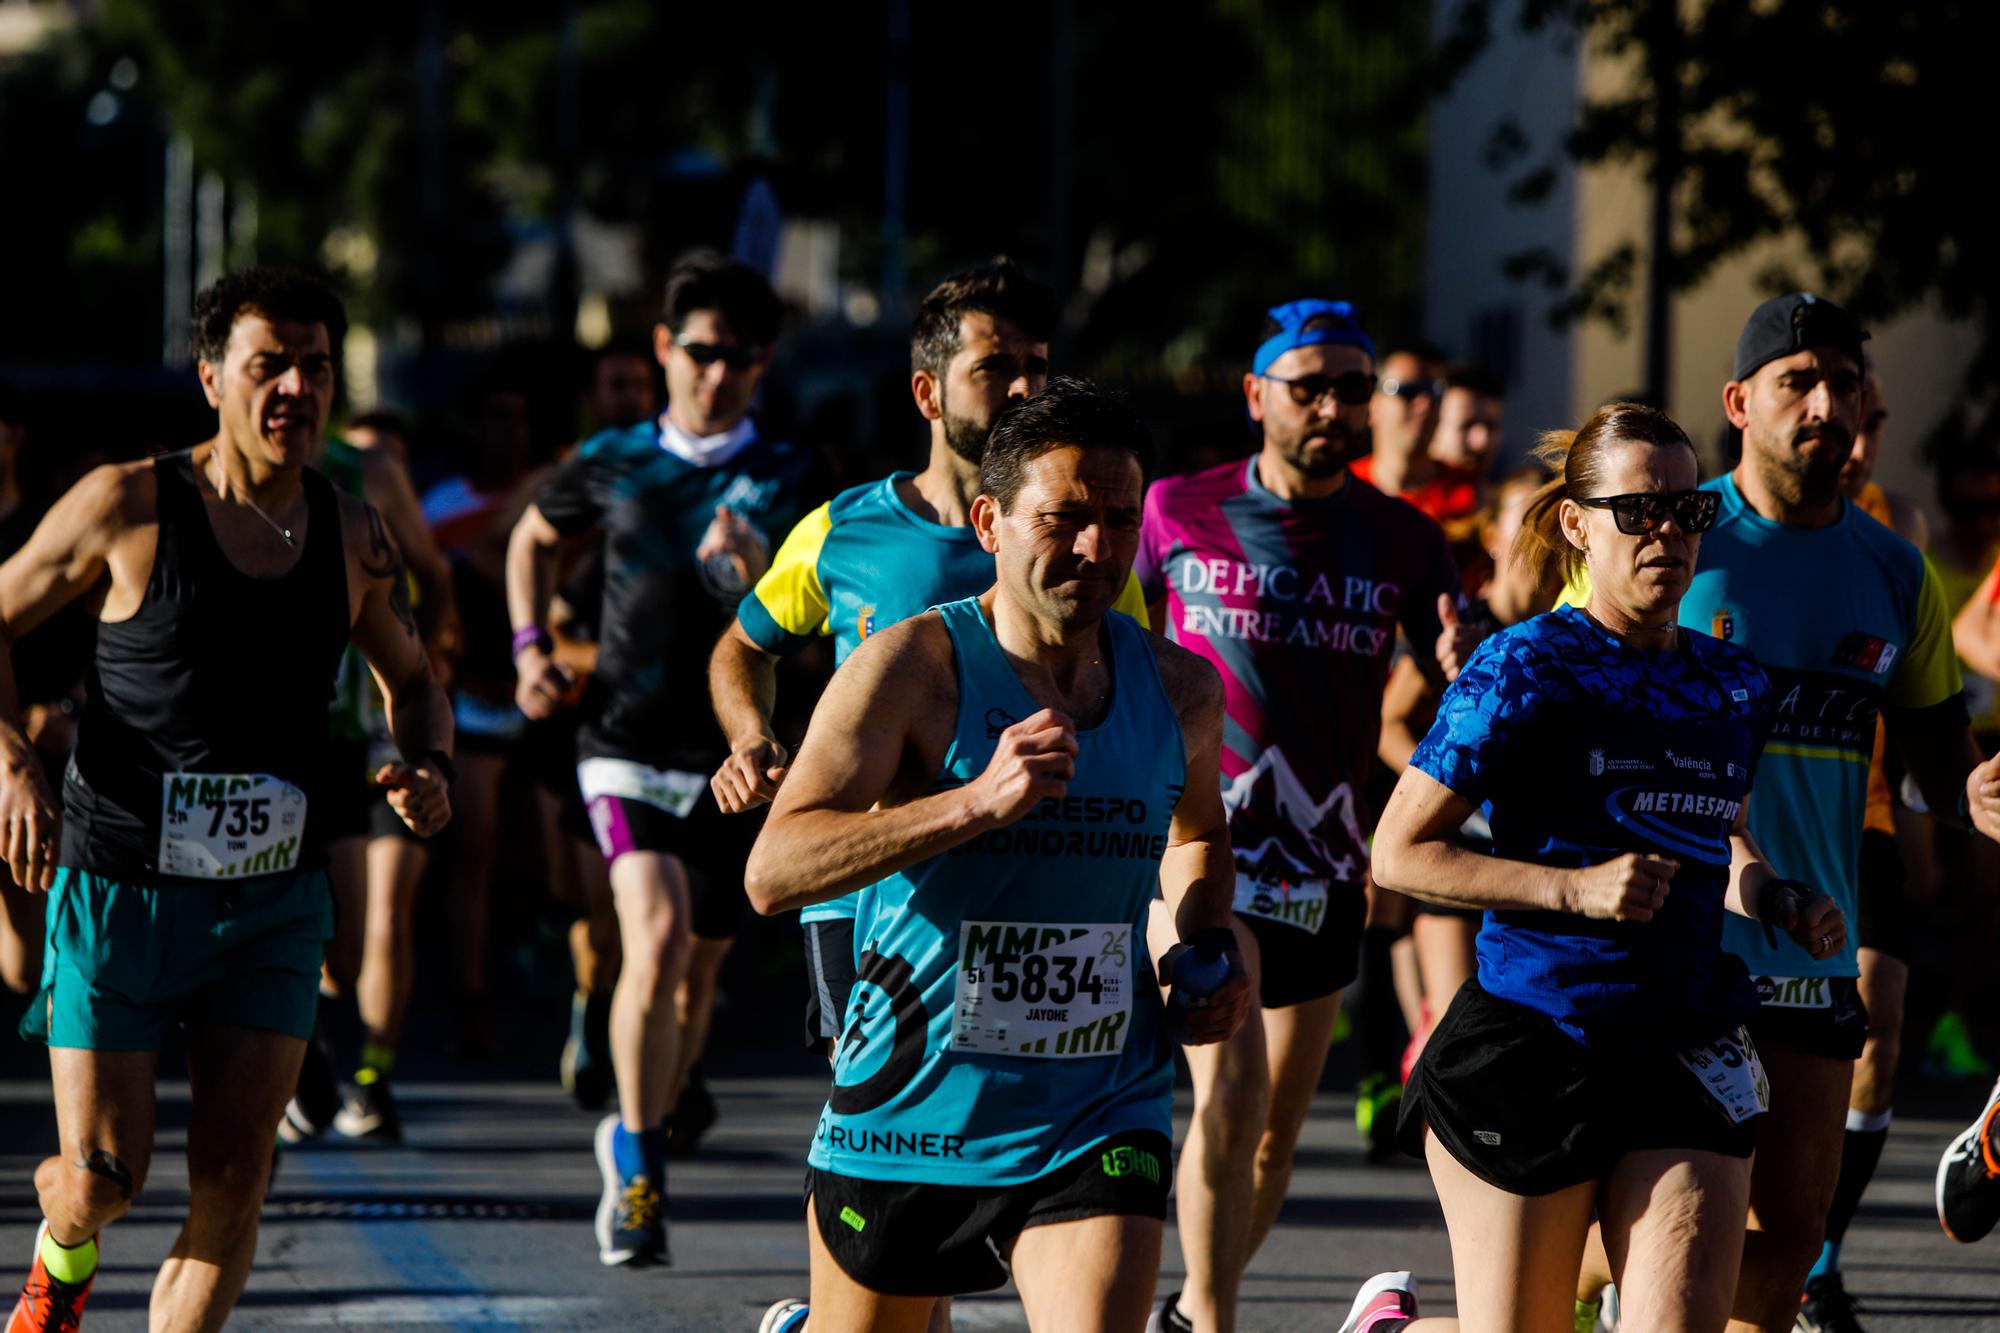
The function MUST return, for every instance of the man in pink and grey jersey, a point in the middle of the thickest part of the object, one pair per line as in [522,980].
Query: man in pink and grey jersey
[1292,577]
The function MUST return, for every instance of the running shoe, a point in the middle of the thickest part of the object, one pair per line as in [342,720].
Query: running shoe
[1387,1303]
[46,1305]
[1949,1053]
[1968,1177]
[370,1113]
[1607,1308]
[1378,1100]
[316,1100]
[1826,1307]
[692,1117]
[632,1214]
[1169,1319]
[586,1055]
[787,1316]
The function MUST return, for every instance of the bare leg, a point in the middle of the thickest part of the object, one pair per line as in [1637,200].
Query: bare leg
[560,853]
[695,1003]
[842,1305]
[1216,1177]
[593,941]
[651,892]
[1791,1185]
[1444,956]
[1885,980]
[389,947]
[347,876]
[240,1079]
[475,805]
[1595,1273]
[1409,982]
[1514,1258]
[1095,1275]
[1296,1038]
[20,937]
[104,1103]
[1673,1221]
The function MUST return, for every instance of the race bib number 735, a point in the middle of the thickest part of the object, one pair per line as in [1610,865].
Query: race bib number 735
[228,825]
[1058,992]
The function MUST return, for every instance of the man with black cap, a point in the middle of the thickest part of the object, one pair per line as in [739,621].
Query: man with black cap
[1850,622]
[1292,578]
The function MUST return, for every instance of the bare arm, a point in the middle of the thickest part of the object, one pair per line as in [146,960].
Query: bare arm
[823,839]
[1409,701]
[743,683]
[1813,921]
[388,488]
[69,551]
[385,630]
[1975,631]
[1198,873]
[541,683]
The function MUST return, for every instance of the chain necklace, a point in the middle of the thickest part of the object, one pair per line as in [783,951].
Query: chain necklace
[284,533]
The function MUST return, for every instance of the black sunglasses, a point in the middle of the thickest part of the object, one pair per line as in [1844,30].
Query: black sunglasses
[1639,512]
[736,356]
[1412,388]
[1350,390]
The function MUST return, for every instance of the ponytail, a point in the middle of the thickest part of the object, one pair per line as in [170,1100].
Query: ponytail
[1540,547]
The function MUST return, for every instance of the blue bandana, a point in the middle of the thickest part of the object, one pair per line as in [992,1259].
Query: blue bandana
[1343,327]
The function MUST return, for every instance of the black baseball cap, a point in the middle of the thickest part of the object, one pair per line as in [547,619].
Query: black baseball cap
[1787,324]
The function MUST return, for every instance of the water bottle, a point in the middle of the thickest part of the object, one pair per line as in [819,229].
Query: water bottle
[1200,972]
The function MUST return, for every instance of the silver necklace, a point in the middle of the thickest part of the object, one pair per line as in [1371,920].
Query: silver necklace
[284,533]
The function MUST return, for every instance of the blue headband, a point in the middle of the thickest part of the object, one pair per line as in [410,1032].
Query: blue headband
[1342,326]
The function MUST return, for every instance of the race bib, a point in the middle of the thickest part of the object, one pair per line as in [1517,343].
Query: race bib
[1302,905]
[667,789]
[229,825]
[1794,992]
[1048,992]
[1731,1073]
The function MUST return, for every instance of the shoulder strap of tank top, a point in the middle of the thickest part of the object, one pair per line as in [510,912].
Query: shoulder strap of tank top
[184,533]
[1139,685]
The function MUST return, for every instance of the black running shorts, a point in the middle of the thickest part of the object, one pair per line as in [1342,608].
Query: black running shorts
[710,846]
[829,979]
[1885,918]
[1817,1015]
[904,1239]
[1530,1111]
[1305,954]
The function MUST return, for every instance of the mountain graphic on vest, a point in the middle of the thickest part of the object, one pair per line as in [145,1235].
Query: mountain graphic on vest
[1281,834]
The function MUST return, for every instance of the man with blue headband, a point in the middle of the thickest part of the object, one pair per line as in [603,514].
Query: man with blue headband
[1292,577]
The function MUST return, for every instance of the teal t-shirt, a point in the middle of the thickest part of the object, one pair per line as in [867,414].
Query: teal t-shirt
[1006,1018]
[1846,620]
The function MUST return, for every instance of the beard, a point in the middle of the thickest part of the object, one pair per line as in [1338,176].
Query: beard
[1341,447]
[1801,477]
[967,438]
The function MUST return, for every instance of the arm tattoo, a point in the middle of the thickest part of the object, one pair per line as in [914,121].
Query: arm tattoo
[383,561]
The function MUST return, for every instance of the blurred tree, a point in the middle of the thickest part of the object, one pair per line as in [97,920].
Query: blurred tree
[1841,123]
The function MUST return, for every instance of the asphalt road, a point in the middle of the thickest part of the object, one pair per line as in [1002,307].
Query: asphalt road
[482,1219]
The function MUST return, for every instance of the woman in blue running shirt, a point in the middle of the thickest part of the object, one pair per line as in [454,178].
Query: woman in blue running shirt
[1597,1062]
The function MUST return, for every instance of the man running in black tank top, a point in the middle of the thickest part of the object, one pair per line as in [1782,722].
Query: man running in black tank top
[190,886]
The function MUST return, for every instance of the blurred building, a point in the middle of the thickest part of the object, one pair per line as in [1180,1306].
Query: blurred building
[1557,376]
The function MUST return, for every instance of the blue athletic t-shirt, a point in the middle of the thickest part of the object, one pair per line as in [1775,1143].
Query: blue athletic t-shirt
[1846,620]
[1006,1018]
[1581,748]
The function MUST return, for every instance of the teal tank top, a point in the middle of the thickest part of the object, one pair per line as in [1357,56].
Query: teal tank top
[1006,1018]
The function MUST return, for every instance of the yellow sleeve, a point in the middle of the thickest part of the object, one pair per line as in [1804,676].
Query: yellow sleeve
[1576,591]
[1928,672]
[1132,599]
[788,606]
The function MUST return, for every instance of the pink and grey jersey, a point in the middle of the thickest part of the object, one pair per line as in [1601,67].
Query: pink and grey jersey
[1297,604]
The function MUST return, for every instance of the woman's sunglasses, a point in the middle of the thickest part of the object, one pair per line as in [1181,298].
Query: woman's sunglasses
[1639,512]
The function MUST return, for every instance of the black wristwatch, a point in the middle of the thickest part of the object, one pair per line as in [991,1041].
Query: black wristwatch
[1763,899]
[1221,938]
[440,761]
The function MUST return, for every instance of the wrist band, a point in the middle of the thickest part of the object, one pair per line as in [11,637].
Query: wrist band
[531,636]
[1771,886]
[1220,938]
[440,761]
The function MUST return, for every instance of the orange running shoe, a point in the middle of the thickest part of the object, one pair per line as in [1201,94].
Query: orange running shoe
[46,1305]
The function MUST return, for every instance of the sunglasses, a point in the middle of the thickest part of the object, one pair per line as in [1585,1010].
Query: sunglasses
[736,356]
[1350,390]
[1402,388]
[1639,512]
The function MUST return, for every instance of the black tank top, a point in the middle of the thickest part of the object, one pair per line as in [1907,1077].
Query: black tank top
[216,672]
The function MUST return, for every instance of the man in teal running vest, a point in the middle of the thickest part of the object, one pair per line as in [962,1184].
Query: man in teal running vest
[1011,779]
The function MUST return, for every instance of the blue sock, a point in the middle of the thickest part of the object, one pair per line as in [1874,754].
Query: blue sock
[644,1153]
[1829,1260]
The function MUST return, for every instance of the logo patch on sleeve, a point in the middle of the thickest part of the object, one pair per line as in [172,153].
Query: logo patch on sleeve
[1865,652]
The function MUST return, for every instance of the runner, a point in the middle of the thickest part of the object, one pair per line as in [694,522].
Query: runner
[1599,1059]
[1293,580]
[879,553]
[1882,925]
[683,504]
[1012,778]
[230,579]
[1402,417]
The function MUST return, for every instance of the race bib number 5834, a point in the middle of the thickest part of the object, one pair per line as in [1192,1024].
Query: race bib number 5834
[228,825]
[1059,992]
